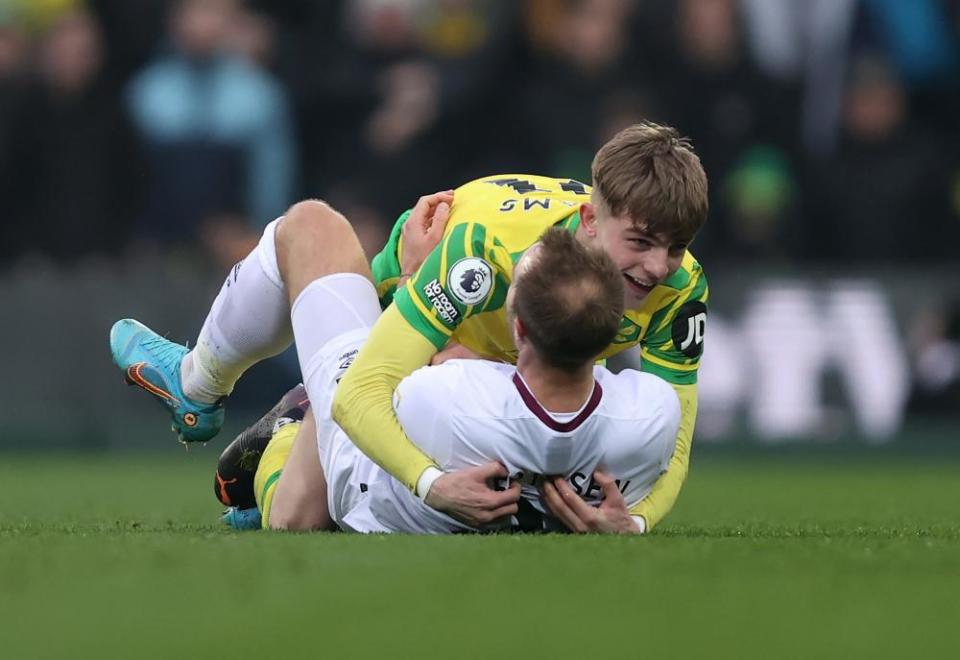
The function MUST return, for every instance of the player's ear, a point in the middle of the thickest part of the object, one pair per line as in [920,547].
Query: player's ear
[519,332]
[588,218]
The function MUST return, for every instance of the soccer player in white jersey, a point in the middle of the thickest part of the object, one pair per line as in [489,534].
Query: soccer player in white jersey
[580,443]
[443,286]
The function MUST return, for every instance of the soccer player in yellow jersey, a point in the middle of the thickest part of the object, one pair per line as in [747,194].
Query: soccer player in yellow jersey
[446,270]
[648,201]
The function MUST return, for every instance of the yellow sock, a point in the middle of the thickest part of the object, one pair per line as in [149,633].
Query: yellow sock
[271,467]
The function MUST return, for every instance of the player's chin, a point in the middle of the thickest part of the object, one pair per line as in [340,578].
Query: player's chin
[632,301]
[633,293]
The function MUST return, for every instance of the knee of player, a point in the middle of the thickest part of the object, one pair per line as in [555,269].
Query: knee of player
[311,217]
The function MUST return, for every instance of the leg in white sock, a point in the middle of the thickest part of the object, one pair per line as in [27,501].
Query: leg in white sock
[334,306]
[250,318]
[333,301]
[249,321]
[332,314]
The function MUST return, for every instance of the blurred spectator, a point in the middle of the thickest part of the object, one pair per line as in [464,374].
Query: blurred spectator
[37,16]
[370,103]
[814,42]
[808,43]
[916,36]
[923,45]
[884,194]
[759,202]
[716,93]
[474,50]
[252,37]
[718,97]
[13,59]
[580,91]
[132,30]
[406,99]
[76,167]
[365,109]
[936,372]
[217,127]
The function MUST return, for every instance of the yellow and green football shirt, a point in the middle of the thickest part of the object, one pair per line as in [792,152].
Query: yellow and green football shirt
[459,292]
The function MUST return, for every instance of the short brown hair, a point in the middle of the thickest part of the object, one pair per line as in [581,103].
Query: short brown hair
[651,173]
[569,299]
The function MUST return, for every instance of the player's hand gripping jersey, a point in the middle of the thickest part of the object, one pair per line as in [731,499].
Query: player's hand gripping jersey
[627,427]
[459,293]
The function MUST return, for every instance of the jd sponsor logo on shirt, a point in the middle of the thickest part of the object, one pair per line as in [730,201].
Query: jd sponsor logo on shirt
[470,280]
[434,292]
[688,328]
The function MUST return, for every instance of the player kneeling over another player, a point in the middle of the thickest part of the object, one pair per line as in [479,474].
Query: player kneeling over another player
[442,281]
[578,442]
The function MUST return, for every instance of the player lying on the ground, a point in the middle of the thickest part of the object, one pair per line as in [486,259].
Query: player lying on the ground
[552,421]
[649,200]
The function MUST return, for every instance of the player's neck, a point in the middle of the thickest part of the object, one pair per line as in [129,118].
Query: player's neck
[556,390]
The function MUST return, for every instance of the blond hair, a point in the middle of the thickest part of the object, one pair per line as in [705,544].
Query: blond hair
[651,174]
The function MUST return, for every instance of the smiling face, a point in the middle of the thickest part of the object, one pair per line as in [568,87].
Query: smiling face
[649,200]
[644,259]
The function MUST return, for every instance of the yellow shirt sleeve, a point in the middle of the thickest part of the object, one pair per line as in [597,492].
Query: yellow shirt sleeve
[363,402]
[655,506]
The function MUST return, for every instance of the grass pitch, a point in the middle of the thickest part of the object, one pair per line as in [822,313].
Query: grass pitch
[762,558]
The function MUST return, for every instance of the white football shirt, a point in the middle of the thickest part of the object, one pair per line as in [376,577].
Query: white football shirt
[468,412]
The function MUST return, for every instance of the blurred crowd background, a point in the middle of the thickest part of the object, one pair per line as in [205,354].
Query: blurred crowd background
[829,129]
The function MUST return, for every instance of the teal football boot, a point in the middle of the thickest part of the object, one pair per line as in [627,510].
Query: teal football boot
[152,363]
[241,519]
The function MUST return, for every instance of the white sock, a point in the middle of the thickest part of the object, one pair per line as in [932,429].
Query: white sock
[327,308]
[249,321]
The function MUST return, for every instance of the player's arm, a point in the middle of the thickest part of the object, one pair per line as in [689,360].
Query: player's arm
[614,515]
[464,275]
[385,266]
[673,352]
[415,233]
[658,503]
[362,404]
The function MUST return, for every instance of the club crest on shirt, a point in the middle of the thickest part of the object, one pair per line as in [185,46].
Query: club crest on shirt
[470,280]
[629,332]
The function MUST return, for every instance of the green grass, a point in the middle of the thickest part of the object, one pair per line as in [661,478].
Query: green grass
[762,558]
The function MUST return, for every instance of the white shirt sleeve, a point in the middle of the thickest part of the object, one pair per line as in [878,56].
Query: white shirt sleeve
[423,404]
